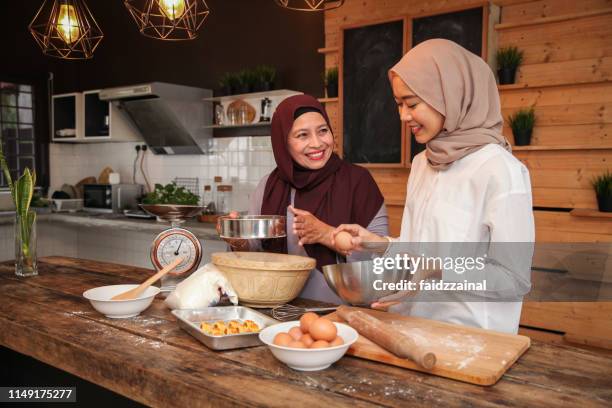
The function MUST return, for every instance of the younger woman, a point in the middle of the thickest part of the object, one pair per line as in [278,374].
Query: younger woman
[466,186]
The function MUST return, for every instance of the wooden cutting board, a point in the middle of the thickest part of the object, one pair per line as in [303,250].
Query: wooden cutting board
[463,353]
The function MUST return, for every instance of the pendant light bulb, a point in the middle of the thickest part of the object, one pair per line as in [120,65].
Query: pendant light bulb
[172,9]
[68,24]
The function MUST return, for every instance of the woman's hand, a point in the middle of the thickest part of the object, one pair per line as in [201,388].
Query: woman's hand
[236,244]
[310,229]
[362,238]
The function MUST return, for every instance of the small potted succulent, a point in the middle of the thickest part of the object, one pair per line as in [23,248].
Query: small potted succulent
[331,82]
[508,60]
[603,189]
[522,123]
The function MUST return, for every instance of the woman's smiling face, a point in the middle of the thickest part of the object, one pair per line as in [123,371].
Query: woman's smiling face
[310,142]
[424,121]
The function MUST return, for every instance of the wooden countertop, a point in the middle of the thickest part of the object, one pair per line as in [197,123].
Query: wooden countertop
[151,360]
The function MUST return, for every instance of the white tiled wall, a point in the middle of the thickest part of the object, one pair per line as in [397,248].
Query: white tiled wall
[241,161]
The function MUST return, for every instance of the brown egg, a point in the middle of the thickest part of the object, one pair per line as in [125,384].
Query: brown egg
[306,319]
[307,340]
[323,329]
[282,339]
[295,333]
[319,344]
[296,344]
[344,241]
[338,341]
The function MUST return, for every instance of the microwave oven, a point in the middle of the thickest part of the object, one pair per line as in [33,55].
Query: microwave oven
[111,198]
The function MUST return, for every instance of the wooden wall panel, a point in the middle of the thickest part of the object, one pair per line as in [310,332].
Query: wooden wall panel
[578,114]
[562,178]
[575,71]
[515,13]
[568,135]
[563,227]
[566,30]
[584,322]
[560,95]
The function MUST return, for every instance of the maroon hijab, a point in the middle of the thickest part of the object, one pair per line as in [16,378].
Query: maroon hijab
[338,193]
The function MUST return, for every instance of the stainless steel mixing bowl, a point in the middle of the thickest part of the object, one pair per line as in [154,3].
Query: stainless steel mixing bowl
[253,226]
[354,282]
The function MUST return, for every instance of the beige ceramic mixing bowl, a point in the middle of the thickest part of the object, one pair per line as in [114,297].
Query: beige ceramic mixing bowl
[263,279]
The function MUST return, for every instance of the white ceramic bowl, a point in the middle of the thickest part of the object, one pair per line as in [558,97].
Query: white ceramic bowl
[307,359]
[119,309]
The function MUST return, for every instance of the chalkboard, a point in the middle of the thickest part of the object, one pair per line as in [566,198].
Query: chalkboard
[371,125]
[463,27]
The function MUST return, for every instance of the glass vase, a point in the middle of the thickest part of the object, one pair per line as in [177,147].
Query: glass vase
[25,245]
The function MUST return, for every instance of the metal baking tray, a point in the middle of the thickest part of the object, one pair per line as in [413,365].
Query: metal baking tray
[190,319]
[253,227]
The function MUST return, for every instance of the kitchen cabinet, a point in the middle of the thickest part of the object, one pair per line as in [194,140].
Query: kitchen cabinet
[67,122]
[83,117]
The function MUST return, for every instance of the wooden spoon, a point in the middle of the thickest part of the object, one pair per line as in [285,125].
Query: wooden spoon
[137,291]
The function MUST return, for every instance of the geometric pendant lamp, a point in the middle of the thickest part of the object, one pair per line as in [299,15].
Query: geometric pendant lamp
[168,19]
[310,5]
[66,29]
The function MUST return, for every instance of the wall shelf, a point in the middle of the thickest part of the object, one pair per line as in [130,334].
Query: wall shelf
[253,129]
[254,95]
[588,212]
[573,147]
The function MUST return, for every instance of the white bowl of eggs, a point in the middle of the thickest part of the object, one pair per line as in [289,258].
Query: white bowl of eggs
[310,344]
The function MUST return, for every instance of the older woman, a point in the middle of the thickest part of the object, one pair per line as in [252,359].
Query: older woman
[315,189]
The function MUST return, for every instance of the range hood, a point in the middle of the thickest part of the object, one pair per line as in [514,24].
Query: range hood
[170,118]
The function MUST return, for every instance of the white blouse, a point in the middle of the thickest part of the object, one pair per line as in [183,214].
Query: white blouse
[482,197]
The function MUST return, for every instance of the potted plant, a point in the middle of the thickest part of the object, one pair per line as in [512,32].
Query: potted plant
[508,60]
[25,219]
[331,82]
[226,83]
[522,123]
[603,189]
[266,76]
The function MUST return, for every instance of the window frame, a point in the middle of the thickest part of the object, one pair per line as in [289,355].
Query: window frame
[41,86]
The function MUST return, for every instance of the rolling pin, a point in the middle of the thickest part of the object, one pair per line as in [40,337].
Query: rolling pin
[401,344]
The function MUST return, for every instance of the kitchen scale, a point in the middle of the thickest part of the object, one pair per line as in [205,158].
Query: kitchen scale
[174,242]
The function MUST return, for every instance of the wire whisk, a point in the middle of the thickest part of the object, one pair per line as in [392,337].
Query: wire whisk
[289,312]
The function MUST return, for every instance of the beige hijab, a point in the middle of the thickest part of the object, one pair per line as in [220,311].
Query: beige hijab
[461,86]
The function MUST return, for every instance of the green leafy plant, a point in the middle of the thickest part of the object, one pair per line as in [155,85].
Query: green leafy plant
[226,80]
[266,74]
[331,76]
[522,120]
[509,57]
[21,192]
[246,80]
[603,184]
[171,194]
